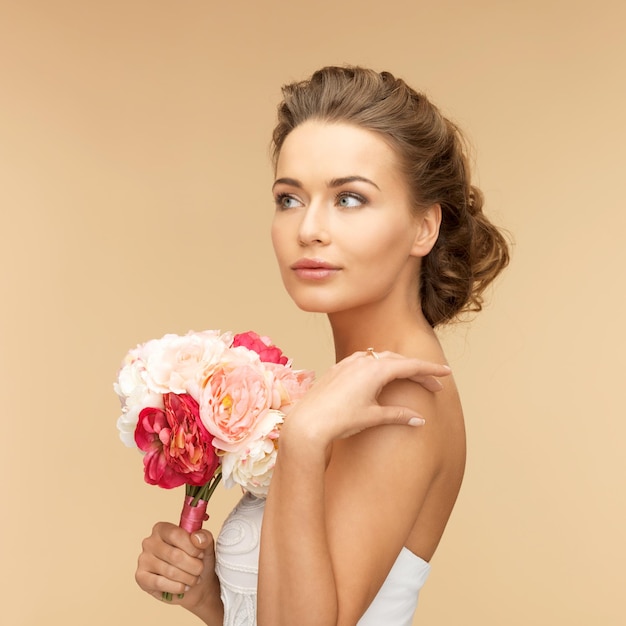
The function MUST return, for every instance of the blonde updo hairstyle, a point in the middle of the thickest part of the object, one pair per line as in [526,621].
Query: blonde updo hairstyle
[470,251]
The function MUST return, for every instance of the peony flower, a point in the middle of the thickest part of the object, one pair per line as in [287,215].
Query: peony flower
[130,376]
[252,467]
[288,385]
[134,395]
[177,363]
[151,435]
[234,399]
[263,346]
[178,448]
[206,403]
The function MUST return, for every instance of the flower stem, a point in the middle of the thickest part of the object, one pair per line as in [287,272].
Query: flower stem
[205,491]
[197,492]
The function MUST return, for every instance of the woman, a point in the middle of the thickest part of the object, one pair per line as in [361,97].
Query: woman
[378,226]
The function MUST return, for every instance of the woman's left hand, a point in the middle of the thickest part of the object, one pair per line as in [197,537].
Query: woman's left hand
[349,392]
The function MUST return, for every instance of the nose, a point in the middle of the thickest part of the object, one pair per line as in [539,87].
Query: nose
[314,226]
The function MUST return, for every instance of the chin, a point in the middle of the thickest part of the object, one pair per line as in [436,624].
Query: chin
[314,304]
[319,299]
[312,307]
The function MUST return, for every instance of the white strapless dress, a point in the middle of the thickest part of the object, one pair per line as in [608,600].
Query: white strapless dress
[237,559]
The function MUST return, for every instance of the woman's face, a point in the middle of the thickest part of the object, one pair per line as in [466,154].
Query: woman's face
[343,231]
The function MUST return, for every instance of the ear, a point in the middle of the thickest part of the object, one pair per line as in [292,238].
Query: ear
[427,230]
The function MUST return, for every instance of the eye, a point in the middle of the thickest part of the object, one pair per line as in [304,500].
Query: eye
[286,201]
[350,199]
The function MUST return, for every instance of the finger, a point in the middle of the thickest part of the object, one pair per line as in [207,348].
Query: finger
[400,415]
[178,565]
[421,366]
[172,563]
[428,382]
[423,372]
[151,572]
[176,537]
[173,535]
[424,368]
[202,540]
[159,581]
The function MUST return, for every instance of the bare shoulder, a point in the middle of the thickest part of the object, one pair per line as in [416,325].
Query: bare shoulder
[385,482]
[444,430]
[426,450]
[400,463]
[440,443]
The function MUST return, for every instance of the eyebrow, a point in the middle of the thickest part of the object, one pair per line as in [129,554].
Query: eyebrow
[338,182]
[335,182]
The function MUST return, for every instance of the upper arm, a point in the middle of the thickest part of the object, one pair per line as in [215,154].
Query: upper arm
[376,483]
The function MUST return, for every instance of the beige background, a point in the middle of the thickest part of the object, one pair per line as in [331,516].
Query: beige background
[134,201]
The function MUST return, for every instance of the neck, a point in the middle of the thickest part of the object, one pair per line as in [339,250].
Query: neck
[377,328]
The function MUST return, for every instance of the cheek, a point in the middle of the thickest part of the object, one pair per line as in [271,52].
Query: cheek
[384,259]
[384,245]
[280,244]
[276,239]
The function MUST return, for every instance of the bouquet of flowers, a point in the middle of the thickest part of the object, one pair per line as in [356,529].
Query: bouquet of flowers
[205,406]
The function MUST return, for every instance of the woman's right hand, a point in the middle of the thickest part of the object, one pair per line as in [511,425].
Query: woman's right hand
[176,562]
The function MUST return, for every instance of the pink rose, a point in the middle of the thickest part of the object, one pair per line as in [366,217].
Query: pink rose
[178,448]
[268,352]
[233,401]
[288,385]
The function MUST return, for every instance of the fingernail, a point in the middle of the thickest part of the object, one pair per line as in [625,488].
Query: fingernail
[187,587]
[417,421]
[447,367]
[199,538]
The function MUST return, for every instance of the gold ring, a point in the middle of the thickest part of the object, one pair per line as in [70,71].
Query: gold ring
[371,352]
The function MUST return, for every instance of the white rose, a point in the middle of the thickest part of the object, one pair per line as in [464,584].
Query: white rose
[252,467]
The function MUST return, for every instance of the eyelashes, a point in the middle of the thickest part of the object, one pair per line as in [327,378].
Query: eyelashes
[286,201]
[343,199]
[349,199]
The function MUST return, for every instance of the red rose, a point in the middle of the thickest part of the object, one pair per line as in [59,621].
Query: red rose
[263,346]
[178,447]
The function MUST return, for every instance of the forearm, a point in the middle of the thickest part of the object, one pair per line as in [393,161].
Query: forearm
[296,580]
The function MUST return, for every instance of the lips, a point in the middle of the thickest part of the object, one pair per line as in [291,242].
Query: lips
[313,264]
[314,269]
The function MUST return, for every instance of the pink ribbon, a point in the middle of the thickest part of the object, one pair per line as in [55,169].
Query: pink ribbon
[191,517]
